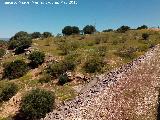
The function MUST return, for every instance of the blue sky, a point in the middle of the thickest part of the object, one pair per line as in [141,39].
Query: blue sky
[105,13]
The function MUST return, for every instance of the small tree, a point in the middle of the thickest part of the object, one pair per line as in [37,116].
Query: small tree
[35,35]
[19,35]
[37,58]
[63,79]
[75,30]
[37,103]
[123,29]
[89,29]
[56,69]
[142,27]
[15,69]
[70,30]
[93,64]
[20,41]
[145,36]
[46,34]
[67,30]
[24,44]
[7,91]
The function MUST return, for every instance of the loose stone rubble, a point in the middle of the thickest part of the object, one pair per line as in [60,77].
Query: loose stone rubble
[90,104]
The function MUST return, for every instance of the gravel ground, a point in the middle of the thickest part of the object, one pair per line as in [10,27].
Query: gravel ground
[127,93]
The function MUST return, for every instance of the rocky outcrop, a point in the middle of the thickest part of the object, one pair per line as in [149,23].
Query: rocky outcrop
[91,103]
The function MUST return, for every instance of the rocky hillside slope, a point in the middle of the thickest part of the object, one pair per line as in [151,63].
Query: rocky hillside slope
[127,93]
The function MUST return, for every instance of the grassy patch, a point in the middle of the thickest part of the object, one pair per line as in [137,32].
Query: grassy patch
[65,92]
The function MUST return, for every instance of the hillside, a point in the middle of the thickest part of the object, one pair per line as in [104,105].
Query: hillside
[129,92]
[91,58]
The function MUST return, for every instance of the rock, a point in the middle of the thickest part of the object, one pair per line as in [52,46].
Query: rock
[69,74]
[79,76]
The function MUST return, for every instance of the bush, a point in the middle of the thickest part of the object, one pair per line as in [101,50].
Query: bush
[12,44]
[46,34]
[56,69]
[69,30]
[108,30]
[75,30]
[93,64]
[20,41]
[35,35]
[44,79]
[128,53]
[37,103]
[145,36]
[142,27]
[15,69]
[2,52]
[89,29]
[37,58]
[123,29]
[22,46]
[63,79]
[68,46]
[69,64]
[7,91]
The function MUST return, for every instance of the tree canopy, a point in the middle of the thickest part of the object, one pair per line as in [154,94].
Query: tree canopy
[70,30]
[89,29]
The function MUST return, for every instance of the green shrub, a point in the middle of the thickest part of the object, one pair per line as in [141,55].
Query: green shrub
[37,58]
[20,41]
[69,64]
[44,79]
[93,64]
[12,44]
[123,29]
[56,69]
[145,36]
[89,29]
[35,35]
[128,53]
[37,103]
[22,45]
[7,91]
[2,52]
[67,30]
[142,27]
[68,46]
[63,79]
[15,69]
[46,34]
[70,30]
[71,61]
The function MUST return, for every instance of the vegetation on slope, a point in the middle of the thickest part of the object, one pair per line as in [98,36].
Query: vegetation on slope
[88,54]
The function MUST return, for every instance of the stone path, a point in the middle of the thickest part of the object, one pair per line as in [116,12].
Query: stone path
[127,93]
